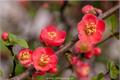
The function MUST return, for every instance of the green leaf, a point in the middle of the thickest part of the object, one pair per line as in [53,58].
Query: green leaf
[3,49]
[12,38]
[72,78]
[1,73]
[40,78]
[22,43]
[112,20]
[13,41]
[113,23]
[100,76]
[113,69]
[6,54]
[19,69]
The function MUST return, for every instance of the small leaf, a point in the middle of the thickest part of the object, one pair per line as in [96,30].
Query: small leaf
[112,20]
[19,69]
[22,43]
[1,73]
[13,41]
[12,38]
[40,78]
[113,69]
[100,76]
[3,49]
[94,78]
[72,78]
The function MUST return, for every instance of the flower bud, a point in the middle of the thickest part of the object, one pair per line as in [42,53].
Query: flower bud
[97,51]
[88,9]
[4,36]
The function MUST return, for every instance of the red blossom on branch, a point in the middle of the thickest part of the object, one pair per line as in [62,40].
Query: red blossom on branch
[91,28]
[44,59]
[25,57]
[83,46]
[82,69]
[51,36]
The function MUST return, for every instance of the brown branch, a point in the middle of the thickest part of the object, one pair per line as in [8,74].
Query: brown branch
[109,12]
[67,46]
[114,34]
[31,70]
[28,72]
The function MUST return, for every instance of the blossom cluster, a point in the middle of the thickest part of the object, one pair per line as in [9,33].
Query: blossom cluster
[43,59]
[90,32]
[81,68]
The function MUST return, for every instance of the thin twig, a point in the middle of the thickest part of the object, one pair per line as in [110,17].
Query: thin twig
[109,12]
[114,34]
[28,72]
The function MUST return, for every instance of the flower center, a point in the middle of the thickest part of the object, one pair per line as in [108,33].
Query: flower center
[52,35]
[84,47]
[44,59]
[90,28]
[25,56]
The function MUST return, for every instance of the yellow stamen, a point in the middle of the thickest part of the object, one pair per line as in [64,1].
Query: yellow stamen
[52,35]
[25,56]
[90,28]
[44,59]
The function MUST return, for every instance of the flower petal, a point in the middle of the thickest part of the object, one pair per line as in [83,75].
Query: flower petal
[88,18]
[101,25]
[81,26]
[96,37]
[51,28]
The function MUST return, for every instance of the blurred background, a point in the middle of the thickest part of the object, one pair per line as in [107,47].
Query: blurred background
[26,18]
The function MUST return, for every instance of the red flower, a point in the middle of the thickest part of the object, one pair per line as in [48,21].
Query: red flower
[91,28]
[83,46]
[53,70]
[4,36]
[44,59]
[52,36]
[82,69]
[95,51]
[25,57]
[88,9]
